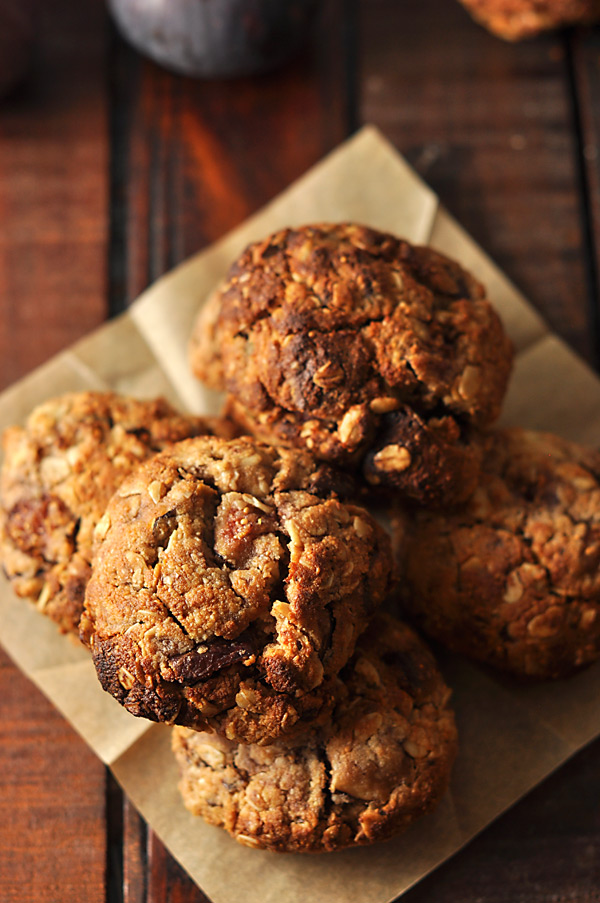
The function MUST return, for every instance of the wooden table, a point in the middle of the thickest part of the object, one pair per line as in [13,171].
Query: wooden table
[112,171]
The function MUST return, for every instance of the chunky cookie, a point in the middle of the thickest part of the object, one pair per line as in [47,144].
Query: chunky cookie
[382,761]
[59,472]
[512,579]
[514,20]
[362,348]
[229,587]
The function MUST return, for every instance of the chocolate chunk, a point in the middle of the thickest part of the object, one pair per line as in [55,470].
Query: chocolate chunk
[201,663]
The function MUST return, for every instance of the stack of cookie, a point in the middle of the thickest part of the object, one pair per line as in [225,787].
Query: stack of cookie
[228,578]
[232,587]
[373,354]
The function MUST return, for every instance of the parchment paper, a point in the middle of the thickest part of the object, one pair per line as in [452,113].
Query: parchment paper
[511,737]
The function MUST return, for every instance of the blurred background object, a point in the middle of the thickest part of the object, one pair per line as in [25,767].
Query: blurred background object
[515,20]
[16,41]
[215,38]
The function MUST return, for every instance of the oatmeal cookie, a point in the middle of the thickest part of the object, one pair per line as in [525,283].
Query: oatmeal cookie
[229,587]
[512,579]
[514,20]
[366,350]
[382,761]
[59,472]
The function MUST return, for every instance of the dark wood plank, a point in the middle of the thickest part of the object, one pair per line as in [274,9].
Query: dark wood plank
[52,841]
[490,126]
[134,840]
[584,53]
[53,194]
[167,880]
[53,191]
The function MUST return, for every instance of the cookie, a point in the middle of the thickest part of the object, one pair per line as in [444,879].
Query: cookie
[514,20]
[382,761]
[512,579]
[368,351]
[59,472]
[229,586]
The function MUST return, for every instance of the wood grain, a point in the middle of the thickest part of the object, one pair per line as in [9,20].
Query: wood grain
[52,840]
[584,55]
[135,862]
[53,241]
[53,191]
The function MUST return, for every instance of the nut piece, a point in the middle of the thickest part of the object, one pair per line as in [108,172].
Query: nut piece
[414,749]
[588,617]
[351,430]
[44,597]
[469,383]
[514,589]
[126,678]
[546,624]
[384,405]
[246,698]
[328,376]
[392,458]
[248,841]
[102,527]
[156,490]
[281,610]
[361,527]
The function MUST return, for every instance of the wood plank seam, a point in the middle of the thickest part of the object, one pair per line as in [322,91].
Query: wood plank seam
[122,76]
[114,840]
[572,40]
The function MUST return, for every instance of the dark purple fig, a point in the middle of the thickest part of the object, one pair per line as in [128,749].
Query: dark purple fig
[215,38]
[16,41]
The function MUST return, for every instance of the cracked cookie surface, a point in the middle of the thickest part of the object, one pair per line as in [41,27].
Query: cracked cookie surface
[365,349]
[229,587]
[382,761]
[514,20]
[58,474]
[512,579]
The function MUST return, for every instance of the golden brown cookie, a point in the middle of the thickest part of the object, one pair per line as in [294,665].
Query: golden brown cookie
[382,761]
[229,587]
[514,20]
[366,350]
[512,579]
[59,472]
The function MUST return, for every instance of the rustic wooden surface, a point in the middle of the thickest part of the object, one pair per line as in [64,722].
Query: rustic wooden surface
[111,171]
[53,247]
